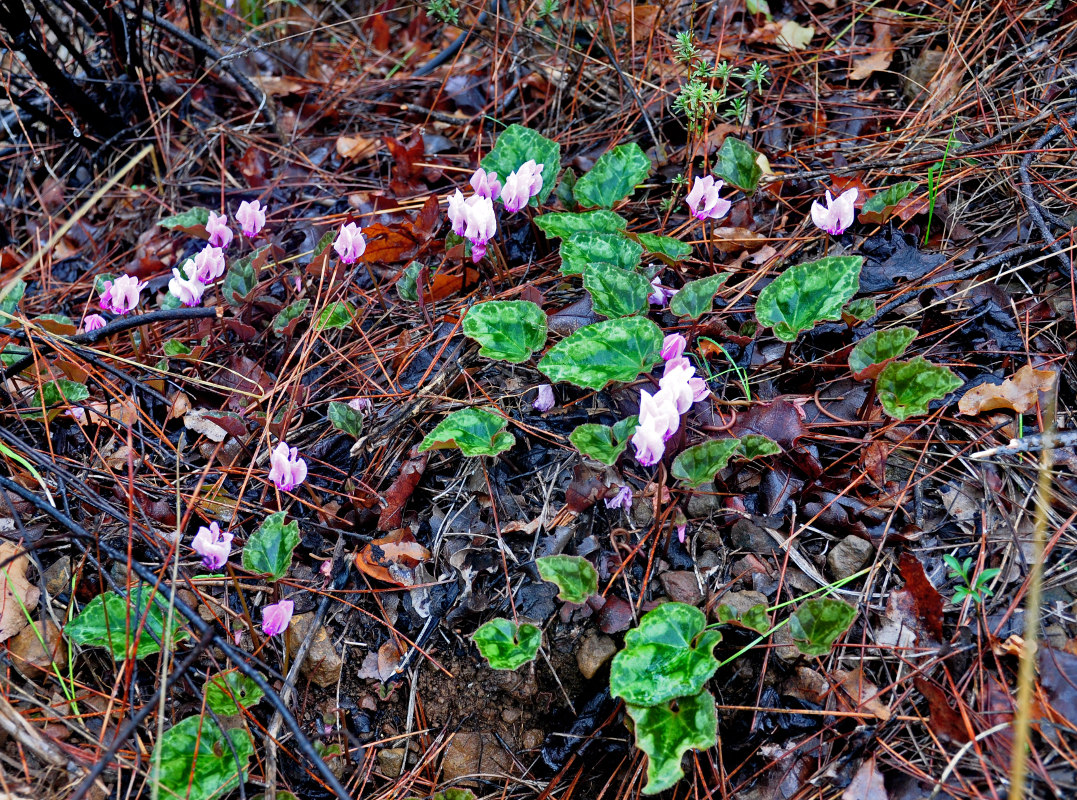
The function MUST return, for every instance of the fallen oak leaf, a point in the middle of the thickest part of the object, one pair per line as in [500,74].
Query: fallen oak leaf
[393,558]
[17,595]
[1021,393]
[882,53]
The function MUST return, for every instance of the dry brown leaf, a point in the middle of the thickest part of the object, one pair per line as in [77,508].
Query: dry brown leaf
[276,86]
[1020,393]
[393,558]
[16,593]
[731,240]
[792,36]
[356,146]
[882,53]
[863,693]
[867,783]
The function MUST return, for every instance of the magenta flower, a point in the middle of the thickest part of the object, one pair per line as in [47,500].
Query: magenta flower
[623,499]
[675,384]
[350,243]
[486,184]
[361,404]
[660,412]
[704,200]
[545,400]
[682,532]
[673,346]
[93,322]
[481,224]
[220,235]
[252,217]
[288,470]
[186,287]
[521,186]
[458,212]
[661,294]
[650,443]
[208,264]
[214,545]
[121,296]
[837,214]
[277,617]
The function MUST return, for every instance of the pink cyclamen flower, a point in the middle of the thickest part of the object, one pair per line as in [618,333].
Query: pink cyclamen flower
[213,544]
[121,296]
[682,532]
[545,400]
[277,617]
[673,346]
[350,243]
[93,322]
[458,212]
[650,444]
[185,286]
[837,214]
[486,184]
[220,235]
[288,470]
[481,224]
[361,404]
[77,413]
[623,499]
[209,264]
[676,386]
[252,217]
[659,412]
[704,200]
[661,294]
[521,186]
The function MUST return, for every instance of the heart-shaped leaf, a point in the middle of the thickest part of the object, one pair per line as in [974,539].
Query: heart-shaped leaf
[860,310]
[672,249]
[755,445]
[738,165]
[669,655]
[292,311]
[574,576]
[230,692]
[581,249]
[9,304]
[614,292]
[699,464]
[510,330]
[174,347]
[407,285]
[666,732]
[595,355]
[755,618]
[515,146]
[111,620]
[60,391]
[601,442]
[817,624]
[506,646]
[269,550]
[881,205]
[563,224]
[906,387]
[242,276]
[808,293]
[187,220]
[335,316]
[875,351]
[613,177]
[474,431]
[697,297]
[345,418]
[197,763]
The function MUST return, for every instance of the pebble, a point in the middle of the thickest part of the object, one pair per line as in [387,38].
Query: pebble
[595,650]
[322,664]
[848,556]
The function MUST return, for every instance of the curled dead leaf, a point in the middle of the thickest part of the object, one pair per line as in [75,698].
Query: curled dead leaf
[356,147]
[881,53]
[1020,393]
[732,240]
[17,595]
[393,558]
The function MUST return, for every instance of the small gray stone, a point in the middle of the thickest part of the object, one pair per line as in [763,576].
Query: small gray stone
[595,650]
[58,577]
[703,504]
[642,512]
[681,586]
[470,753]
[391,761]
[322,664]
[746,535]
[849,555]
[782,639]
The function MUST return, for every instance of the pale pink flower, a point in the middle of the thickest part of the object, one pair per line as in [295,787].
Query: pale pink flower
[277,617]
[675,385]
[121,296]
[699,389]
[704,200]
[545,400]
[209,264]
[673,346]
[650,444]
[288,470]
[682,532]
[77,413]
[361,404]
[220,235]
[486,184]
[521,186]
[252,216]
[659,412]
[350,243]
[661,294]
[458,212]
[837,214]
[623,499]
[93,322]
[186,287]
[481,224]
[213,544]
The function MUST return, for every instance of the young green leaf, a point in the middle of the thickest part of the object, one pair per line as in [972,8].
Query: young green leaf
[345,418]
[269,550]
[290,312]
[601,442]
[111,620]
[699,464]
[879,207]
[506,646]
[906,387]
[669,655]
[754,618]
[595,355]
[808,293]
[474,431]
[229,692]
[197,763]
[672,249]
[407,285]
[336,315]
[755,445]
[510,330]
[60,391]
[614,292]
[10,303]
[667,731]
[875,351]
[737,165]
[581,249]
[697,297]
[174,347]
[517,145]
[613,177]
[817,624]
[574,576]
[563,224]
[242,277]
[861,309]
[186,220]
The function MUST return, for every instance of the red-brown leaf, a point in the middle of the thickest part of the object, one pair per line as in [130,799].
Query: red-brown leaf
[401,489]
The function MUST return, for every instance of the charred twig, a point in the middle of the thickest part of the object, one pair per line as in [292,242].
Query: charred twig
[1034,209]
